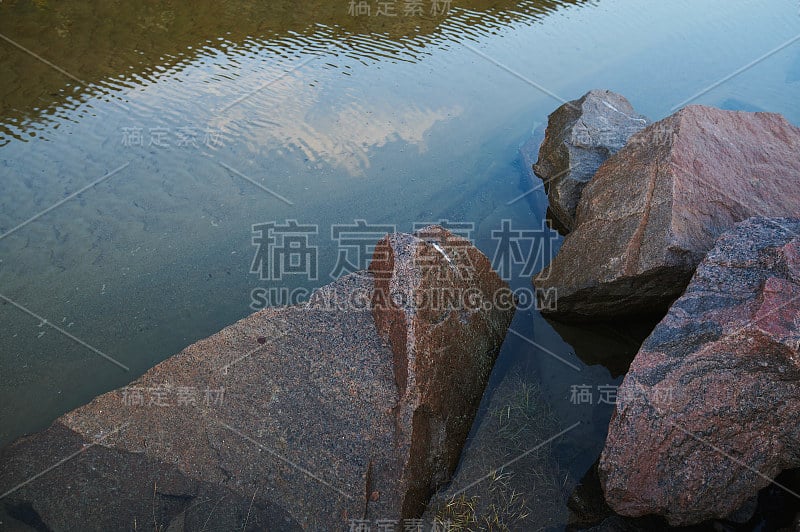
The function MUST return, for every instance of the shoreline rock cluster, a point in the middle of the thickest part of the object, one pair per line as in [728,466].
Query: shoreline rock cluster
[697,217]
[352,407]
[655,207]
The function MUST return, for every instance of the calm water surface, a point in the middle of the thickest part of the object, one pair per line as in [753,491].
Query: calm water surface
[214,116]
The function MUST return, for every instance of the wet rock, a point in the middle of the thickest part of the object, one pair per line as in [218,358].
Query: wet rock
[311,428]
[444,312]
[580,136]
[655,208]
[710,409]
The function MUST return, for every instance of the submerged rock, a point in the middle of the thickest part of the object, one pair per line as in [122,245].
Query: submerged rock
[654,209]
[501,483]
[710,409]
[314,416]
[580,136]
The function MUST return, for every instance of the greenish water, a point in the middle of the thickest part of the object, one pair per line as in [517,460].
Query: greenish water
[209,113]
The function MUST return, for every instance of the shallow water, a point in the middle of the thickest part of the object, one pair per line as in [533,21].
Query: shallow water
[216,116]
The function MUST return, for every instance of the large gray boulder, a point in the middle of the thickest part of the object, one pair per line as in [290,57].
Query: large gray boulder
[353,406]
[654,209]
[580,136]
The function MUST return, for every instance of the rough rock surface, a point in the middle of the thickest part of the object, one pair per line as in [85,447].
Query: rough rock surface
[291,418]
[444,312]
[710,409]
[655,208]
[580,136]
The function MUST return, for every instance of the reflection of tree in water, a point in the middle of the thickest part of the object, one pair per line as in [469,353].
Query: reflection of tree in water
[123,44]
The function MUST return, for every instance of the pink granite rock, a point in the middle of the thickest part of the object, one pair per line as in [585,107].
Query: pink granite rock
[444,312]
[292,418]
[710,409]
